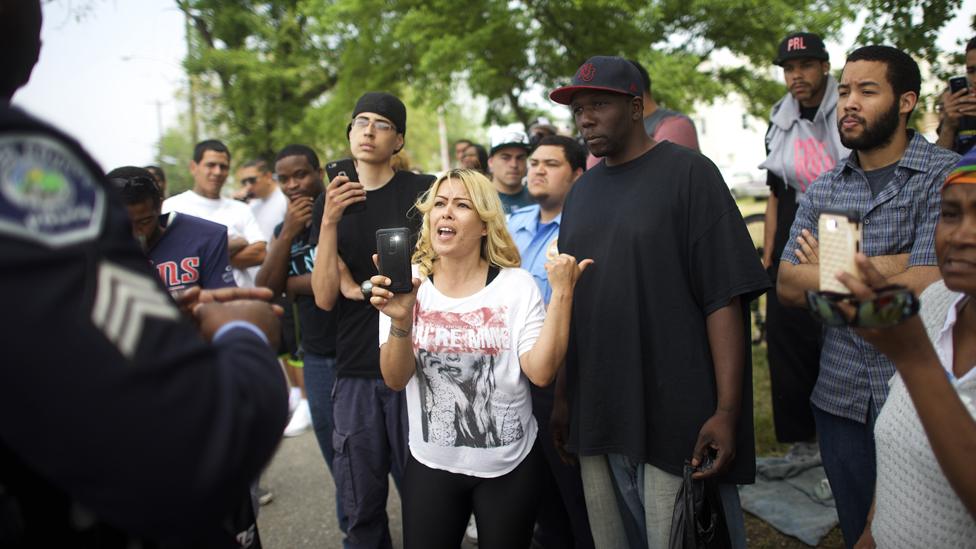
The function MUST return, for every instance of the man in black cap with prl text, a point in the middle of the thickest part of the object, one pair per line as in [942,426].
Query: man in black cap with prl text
[370,419]
[658,362]
[801,143]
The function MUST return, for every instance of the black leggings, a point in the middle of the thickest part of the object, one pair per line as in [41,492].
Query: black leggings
[436,506]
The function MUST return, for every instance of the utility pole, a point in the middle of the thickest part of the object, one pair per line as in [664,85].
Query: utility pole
[442,134]
[191,82]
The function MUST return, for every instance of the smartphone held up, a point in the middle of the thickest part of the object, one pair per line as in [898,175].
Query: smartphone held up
[957,83]
[840,240]
[393,250]
[346,167]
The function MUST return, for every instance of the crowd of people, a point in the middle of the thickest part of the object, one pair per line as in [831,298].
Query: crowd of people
[576,337]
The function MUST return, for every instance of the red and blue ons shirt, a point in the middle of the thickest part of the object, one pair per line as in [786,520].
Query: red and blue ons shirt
[191,252]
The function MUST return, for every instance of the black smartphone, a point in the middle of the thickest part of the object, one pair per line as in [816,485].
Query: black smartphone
[345,167]
[393,249]
[957,83]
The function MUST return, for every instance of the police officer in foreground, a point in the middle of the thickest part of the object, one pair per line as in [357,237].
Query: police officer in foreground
[120,426]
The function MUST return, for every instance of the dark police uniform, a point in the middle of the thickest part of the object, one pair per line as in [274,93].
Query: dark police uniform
[117,421]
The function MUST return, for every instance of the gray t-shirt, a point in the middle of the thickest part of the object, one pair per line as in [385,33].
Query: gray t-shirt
[878,179]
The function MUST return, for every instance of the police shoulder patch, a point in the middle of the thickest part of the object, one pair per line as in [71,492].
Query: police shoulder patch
[47,194]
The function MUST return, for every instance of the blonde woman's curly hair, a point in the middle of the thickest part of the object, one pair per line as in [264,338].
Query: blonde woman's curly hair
[497,247]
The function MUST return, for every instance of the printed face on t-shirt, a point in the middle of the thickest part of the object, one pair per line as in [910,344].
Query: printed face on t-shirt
[457,357]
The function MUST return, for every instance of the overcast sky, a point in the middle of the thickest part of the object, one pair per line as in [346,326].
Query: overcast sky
[111,77]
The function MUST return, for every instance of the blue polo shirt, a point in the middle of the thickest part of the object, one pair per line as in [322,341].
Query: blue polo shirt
[536,243]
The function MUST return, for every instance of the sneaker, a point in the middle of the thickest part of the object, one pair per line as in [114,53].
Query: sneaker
[264,495]
[472,530]
[301,420]
[804,452]
[822,491]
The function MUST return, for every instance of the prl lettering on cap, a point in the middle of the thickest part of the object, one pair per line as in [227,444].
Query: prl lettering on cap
[795,43]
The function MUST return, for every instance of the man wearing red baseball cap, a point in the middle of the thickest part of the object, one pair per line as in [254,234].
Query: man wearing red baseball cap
[657,368]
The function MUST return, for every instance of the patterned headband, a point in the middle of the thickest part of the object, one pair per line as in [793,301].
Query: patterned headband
[964,171]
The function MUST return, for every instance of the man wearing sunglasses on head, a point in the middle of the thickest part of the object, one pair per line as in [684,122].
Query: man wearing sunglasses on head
[186,251]
[267,201]
[369,418]
[891,182]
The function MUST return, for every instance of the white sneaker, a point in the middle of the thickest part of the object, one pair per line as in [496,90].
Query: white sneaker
[472,530]
[301,420]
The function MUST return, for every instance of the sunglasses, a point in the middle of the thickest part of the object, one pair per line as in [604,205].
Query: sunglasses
[135,181]
[249,181]
[891,305]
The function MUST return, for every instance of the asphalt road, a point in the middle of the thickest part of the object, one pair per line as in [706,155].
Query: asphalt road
[302,513]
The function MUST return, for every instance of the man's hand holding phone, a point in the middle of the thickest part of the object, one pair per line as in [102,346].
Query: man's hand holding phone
[957,102]
[340,194]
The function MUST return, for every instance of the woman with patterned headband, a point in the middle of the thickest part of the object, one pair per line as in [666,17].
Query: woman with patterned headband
[926,432]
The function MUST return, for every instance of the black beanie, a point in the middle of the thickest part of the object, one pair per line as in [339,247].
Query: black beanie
[385,105]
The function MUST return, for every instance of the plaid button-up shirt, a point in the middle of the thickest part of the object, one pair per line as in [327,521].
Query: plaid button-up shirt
[853,378]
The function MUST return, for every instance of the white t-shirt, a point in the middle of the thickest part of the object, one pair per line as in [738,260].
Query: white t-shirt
[234,215]
[468,402]
[269,211]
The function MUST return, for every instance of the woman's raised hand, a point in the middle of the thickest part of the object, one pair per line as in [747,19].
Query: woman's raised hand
[564,271]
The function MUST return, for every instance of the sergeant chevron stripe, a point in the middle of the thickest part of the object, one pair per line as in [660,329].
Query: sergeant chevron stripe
[123,300]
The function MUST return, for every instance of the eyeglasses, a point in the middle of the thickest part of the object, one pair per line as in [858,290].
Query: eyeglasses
[891,305]
[249,181]
[362,122]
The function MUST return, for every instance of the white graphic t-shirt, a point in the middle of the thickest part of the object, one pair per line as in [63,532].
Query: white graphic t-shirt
[468,403]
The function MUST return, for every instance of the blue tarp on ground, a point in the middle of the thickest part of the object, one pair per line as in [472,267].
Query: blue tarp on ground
[792,498]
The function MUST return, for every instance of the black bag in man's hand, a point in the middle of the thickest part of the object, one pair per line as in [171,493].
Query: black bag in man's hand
[699,520]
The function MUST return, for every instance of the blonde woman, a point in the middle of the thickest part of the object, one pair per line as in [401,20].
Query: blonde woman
[465,344]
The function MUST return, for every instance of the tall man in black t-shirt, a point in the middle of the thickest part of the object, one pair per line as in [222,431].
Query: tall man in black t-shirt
[801,143]
[658,358]
[370,419]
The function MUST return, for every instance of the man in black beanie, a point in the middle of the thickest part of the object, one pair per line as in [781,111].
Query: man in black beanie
[370,419]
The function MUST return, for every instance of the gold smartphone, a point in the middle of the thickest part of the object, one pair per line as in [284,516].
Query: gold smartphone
[840,239]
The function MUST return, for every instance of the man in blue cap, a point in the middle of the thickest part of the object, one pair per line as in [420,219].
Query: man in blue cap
[657,367]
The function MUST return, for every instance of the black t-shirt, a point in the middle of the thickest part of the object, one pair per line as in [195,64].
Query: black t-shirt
[787,200]
[669,247]
[316,326]
[357,322]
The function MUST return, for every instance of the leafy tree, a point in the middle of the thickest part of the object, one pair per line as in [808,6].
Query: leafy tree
[292,69]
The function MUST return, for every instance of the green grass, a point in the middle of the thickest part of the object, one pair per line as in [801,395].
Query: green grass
[762,406]
[759,534]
